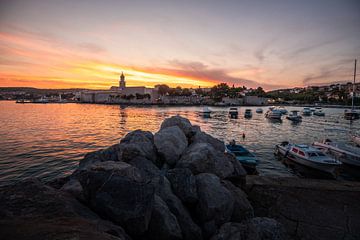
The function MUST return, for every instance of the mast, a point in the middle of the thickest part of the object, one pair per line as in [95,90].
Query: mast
[353,93]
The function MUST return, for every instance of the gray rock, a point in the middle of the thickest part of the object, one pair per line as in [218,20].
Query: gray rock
[108,154]
[183,123]
[253,229]
[119,192]
[137,143]
[163,224]
[203,158]
[74,187]
[202,137]
[242,207]
[238,176]
[183,184]
[146,166]
[215,201]
[170,143]
[32,210]
[190,231]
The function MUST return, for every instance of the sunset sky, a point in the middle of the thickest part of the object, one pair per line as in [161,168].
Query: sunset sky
[268,43]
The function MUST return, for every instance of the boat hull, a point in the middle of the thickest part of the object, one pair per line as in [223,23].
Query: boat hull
[342,155]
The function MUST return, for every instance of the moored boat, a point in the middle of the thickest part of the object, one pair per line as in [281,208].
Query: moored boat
[233,112]
[259,110]
[306,111]
[248,113]
[293,116]
[308,156]
[352,114]
[273,114]
[206,112]
[319,113]
[247,159]
[282,110]
[344,152]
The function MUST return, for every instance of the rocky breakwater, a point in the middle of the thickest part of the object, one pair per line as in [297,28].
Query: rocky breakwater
[175,184]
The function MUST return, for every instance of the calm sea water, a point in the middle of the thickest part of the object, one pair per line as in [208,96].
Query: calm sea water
[48,140]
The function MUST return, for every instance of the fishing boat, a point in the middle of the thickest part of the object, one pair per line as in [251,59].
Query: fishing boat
[233,112]
[356,139]
[308,156]
[344,152]
[306,111]
[206,112]
[319,113]
[248,113]
[352,114]
[259,110]
[273,114]
[247,159]
[293,116]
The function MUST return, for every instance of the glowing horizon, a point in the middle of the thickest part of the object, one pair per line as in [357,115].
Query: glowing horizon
[272,44]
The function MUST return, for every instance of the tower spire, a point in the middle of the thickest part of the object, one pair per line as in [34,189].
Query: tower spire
[122,83]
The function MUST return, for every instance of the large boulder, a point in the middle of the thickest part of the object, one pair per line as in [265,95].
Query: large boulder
[183,123]
[170,143]
[202,137]
[163,224]
[203,158]
[190,231]
[119,192]
[32,210]
[147,167]
[253,229]
[215,201]
[108,154]
[242,207]
[137,143]
[183,184]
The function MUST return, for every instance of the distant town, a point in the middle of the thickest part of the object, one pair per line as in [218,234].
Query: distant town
[221,95]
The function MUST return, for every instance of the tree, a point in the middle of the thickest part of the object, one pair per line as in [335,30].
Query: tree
[163,89]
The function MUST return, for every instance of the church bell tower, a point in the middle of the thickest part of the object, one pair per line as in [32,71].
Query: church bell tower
[122,84]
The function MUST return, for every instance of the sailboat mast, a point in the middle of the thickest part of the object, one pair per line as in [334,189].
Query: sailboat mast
[353,93]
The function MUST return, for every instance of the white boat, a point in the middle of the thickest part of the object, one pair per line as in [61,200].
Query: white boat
[345,153]
[293,116]
[259,110]
[233,112]
[319,113]
[206,112]
[248,113]
[356,139]
[352,114]
[308,156]
[306,111]
[273,114]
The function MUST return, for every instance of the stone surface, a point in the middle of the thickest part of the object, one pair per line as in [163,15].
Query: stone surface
[308,208]
[190,231]
[163,224]
[108,154]
[203,158]
[146,166]
[242,207]
[253,229]
[183,123]
[202,137]
[119,192]
[170,143]
[183,184]
[215,201]
[32,210]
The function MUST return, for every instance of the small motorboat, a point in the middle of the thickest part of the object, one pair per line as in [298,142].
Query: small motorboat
[259,110]
[312,109]
[351,115]
[233,112]
[345,153]
[206,112]
[356,139]
[319,113]
[293,116]
[247,159]
[273,114]
[306,111]
[308,156]
[248,113]
[282,110]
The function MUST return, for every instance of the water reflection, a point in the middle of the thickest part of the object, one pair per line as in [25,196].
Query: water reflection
[48,140]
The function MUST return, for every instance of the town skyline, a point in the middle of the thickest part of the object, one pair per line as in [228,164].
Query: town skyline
[271,44]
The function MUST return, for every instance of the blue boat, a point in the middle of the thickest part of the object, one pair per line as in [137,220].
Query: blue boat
[247,159]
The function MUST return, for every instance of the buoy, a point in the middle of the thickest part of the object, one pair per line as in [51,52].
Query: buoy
[243,135]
